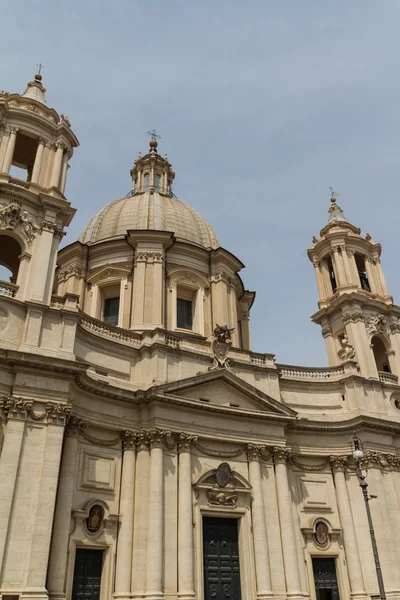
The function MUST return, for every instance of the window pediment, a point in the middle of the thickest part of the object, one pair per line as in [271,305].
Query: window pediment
[108,274]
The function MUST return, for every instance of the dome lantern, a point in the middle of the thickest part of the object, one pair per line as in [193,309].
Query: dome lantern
[152,173]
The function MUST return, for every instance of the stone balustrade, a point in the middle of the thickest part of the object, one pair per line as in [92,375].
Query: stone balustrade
[8,289]
[110,331]
[388,378]
[310,374]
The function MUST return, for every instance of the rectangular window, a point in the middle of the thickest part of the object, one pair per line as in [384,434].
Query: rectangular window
[184,314]
[111,310]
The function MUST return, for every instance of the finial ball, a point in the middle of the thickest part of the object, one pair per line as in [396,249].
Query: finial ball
[153,143]
[38,77]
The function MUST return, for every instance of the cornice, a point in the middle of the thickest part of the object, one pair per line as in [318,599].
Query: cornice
[349,425]
[26,361]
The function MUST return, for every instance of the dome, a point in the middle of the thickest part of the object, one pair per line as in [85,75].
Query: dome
[151,211]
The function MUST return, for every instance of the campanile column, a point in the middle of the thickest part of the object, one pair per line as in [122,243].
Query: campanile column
[155,533]
[123,568]
[38,161]
[337,256]
[185,519]
[57,165]
[263,575]
[287,530]
[349,534]
[10,149]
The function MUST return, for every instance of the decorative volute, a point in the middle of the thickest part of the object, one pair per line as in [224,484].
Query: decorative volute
[151,173]
[356,313]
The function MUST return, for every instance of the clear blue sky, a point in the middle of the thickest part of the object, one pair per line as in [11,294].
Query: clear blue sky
[262,105]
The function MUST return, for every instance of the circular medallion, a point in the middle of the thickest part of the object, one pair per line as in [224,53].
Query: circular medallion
[224,474]
[321,533]
[95,518]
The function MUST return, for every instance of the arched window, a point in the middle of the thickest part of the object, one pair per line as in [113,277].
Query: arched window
[146,182]
[157,183]
[362,272]
[10,251]
[380,355]
[332,275]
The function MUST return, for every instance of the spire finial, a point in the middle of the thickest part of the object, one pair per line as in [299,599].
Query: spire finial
[38,76]
[334,195]
[153,142]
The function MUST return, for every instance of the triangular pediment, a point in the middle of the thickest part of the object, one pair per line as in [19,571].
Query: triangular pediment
[223,388]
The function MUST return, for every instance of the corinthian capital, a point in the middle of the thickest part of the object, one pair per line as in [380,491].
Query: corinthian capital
[129,440]
[74,426]
[281,455]
[15,408]
[186,441]
[338,463]
[254,451]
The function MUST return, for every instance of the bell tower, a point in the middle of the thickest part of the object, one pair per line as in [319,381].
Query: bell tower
[35,147]
[356,313]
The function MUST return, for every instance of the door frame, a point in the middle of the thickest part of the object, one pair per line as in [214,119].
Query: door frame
[344,591]
[246,549]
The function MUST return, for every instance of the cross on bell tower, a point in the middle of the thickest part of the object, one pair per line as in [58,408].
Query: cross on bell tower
[356,313]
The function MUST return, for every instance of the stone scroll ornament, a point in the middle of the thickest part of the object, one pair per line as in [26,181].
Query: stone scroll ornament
[221,345]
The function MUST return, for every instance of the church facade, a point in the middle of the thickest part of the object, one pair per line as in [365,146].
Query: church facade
[146,451]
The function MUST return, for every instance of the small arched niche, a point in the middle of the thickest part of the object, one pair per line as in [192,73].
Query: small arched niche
[380,352]
[10,252]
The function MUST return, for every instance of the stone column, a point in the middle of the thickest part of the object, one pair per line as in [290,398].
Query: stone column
[338,263]
[139,278]
[375,288]
[263,575]
[16,414]
[331,350]
[64,170]
[185,519]
[142,478]
[381,277]
[326,277]
[38,161]
[158,288]
[58,159]
[349,534]
[347,267]
[245,329]
[62,517]
[46,504]
[290,561]
[155,533]
[320,281]
[123,567]
[10,149]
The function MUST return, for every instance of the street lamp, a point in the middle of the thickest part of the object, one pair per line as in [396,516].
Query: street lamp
[358,455]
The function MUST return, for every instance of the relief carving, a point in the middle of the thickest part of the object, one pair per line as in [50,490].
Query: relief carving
[216,497]
[12,217]
[221,345]
[377,324]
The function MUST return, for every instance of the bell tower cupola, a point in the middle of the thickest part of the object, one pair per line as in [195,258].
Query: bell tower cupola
[356,312]
[36,144]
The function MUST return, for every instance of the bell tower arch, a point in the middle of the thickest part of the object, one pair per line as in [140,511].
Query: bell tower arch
[358,318]
[36,144]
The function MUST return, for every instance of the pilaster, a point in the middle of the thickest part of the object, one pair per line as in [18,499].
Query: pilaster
[261,554]
[290,560]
